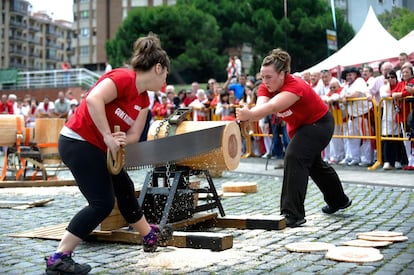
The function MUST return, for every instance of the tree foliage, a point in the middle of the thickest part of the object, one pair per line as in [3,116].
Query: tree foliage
[398,22]
[197,34]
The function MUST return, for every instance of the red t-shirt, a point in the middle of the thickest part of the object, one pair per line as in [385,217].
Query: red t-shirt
[307,110]
[404,110]
[122,111]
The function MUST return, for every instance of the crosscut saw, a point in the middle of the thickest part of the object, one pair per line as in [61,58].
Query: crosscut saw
[171,148]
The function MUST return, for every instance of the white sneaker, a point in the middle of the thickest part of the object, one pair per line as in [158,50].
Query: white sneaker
[398,165]
[387,166]
[353,162]
[344,162]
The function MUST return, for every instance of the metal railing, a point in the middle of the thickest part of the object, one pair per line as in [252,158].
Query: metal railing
[53,79]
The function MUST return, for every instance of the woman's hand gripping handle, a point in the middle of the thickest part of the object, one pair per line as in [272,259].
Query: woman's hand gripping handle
[116,163]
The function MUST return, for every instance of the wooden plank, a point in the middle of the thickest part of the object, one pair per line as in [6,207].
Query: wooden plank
[200,240]
[23,204]
[271,222]
[53,232]
[196,219]
[37,183]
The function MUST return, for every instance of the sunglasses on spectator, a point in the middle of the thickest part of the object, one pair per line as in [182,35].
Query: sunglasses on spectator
[391,76]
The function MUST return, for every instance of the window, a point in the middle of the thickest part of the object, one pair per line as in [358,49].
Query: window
[84,14]
[84,32]
[84,50]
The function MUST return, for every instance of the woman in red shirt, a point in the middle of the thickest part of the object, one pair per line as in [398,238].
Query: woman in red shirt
[118,98]
[310,127]
[404,89]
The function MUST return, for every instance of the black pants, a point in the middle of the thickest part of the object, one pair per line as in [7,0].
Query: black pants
[394,150]
[303,159]
[88,166]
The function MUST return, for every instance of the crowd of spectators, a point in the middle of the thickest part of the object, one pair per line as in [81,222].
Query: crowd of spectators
[269,137]
[388,89]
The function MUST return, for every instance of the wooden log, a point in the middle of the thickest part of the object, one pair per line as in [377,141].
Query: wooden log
[47,132]
[10,127]
[227,157]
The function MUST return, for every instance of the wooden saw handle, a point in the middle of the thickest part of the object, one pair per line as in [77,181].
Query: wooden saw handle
[115,165]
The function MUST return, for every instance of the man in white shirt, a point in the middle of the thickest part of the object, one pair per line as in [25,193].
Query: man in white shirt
[358,151]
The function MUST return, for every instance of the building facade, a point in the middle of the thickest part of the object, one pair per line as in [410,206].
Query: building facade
[32,41]
[95,22]
[356,11]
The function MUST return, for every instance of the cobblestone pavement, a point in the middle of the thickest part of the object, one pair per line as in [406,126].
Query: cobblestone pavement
[375,207]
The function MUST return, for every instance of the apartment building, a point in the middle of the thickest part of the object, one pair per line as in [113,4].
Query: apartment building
[32,41]
[356,11]
[95,22]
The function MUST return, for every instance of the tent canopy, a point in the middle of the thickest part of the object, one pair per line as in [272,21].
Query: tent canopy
[407,43]
[371,44]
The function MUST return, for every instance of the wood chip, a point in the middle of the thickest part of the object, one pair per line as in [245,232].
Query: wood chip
[354,254]
[386,239]
[365,243]
[381,233]
[308,246]
[243,187]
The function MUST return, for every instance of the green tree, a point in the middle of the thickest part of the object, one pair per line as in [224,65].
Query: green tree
[263,25]
[198,34]
[398,22]
[189,36]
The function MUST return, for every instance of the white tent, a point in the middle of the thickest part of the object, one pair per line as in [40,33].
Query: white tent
[407,43]
[371,44]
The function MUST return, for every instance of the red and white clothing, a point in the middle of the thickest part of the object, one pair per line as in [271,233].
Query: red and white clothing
[122,111]
[6,107]
[308,109]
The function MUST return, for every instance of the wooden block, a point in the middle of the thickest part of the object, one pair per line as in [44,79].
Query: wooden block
[114,220]
[120,235]
[202,240]
[244,187]
[271,222]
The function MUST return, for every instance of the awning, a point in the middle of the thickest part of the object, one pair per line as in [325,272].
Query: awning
[8,76]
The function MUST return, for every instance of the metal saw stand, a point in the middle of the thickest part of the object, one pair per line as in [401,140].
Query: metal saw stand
[180,183]
[170,183]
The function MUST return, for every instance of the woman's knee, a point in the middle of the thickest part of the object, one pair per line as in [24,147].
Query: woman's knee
[104,207]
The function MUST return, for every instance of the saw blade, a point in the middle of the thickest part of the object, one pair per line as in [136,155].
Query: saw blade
[172,148]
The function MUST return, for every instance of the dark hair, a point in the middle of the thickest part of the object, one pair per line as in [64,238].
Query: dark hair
[279,59]
[224,94]
[392,73]
[370,69]
[147,53]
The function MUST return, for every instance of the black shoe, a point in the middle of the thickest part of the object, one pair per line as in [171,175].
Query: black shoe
[66,266]
[330,210]
[293,222]
[156,236]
